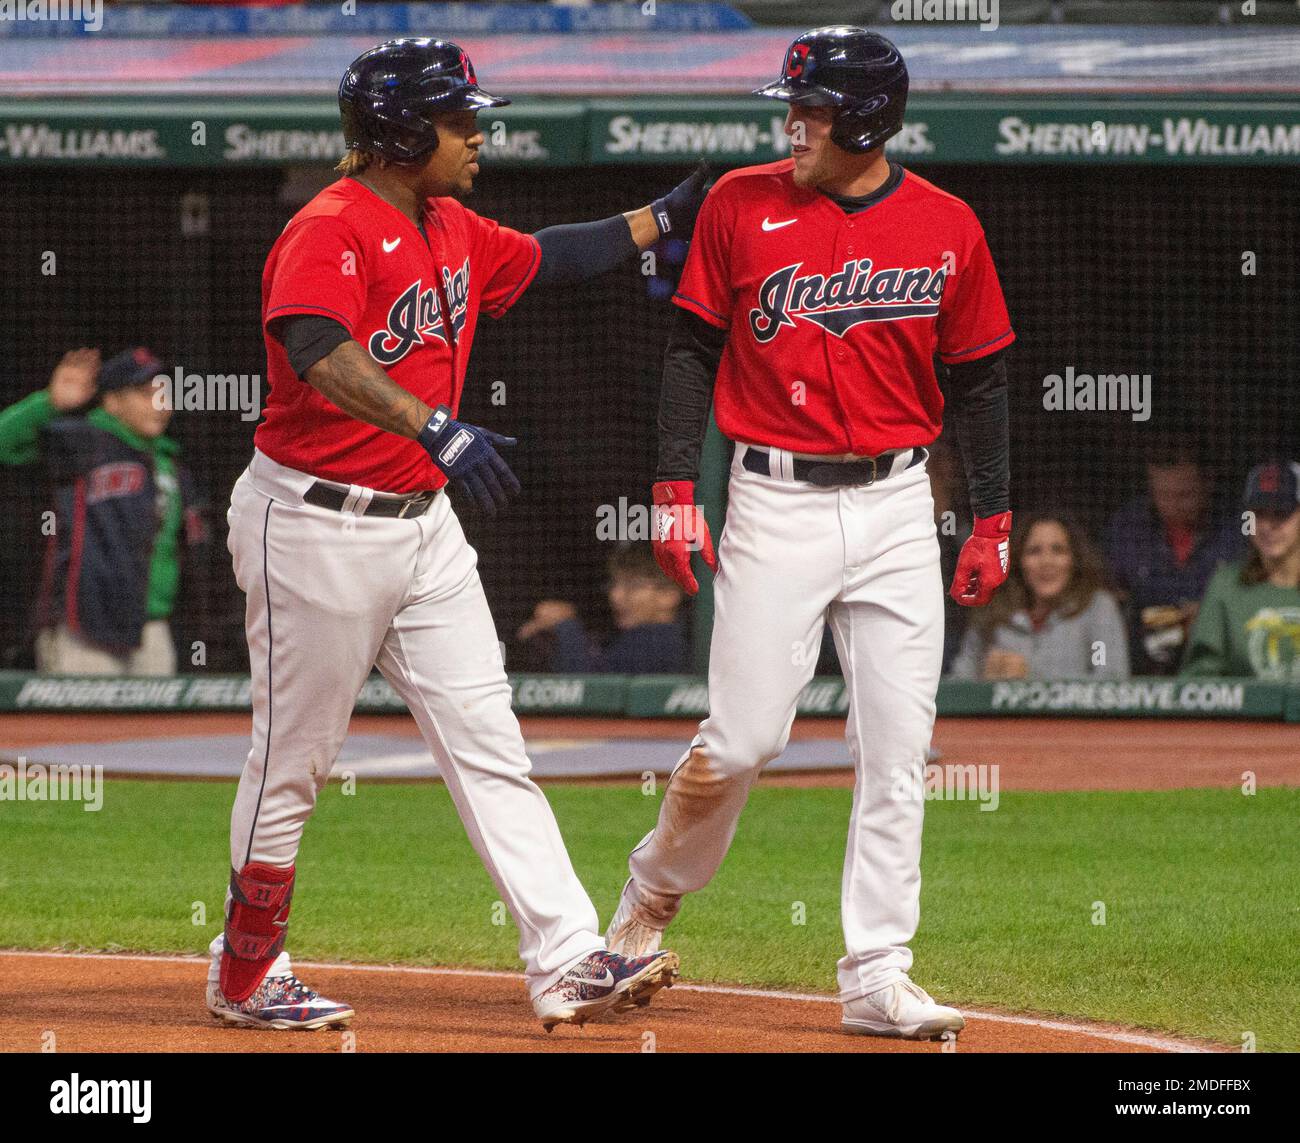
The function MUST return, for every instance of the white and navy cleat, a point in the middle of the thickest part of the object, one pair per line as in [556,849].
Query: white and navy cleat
[605,982]
[282,1002]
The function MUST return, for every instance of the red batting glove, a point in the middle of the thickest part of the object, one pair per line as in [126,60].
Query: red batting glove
[680,529]
[982,565]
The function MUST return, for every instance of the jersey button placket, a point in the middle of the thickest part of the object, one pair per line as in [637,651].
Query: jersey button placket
[837,354]
[840,352]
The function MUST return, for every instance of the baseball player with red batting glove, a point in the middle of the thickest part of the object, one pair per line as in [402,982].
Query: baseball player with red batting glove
[982,564]
[350,553]
[680,528]
[816,293]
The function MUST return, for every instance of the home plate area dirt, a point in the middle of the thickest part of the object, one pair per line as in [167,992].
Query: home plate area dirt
[132,1004]
[119,1003]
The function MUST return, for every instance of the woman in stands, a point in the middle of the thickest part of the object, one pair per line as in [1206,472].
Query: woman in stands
[1053,619]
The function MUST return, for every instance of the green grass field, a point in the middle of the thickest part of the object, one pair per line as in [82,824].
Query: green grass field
[1202,912]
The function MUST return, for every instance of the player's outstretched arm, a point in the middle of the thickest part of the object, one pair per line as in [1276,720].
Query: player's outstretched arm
[577,252]
[350,378]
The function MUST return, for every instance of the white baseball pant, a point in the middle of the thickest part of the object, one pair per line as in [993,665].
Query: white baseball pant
[792,555]
[331,594]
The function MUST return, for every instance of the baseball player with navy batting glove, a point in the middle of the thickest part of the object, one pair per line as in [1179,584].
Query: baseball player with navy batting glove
[467,455]
[351,556]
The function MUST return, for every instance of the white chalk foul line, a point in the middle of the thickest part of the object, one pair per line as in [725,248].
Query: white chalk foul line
[1158,1043]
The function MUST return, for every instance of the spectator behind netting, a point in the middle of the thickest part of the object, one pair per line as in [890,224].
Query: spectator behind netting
[1053,618]
[1162,548]
[124,508]
[645,603]
[1249,621]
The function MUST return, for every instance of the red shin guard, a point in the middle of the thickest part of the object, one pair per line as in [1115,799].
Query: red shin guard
[255,927]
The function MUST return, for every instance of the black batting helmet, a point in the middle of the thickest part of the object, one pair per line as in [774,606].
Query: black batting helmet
[859,74]
[390,95]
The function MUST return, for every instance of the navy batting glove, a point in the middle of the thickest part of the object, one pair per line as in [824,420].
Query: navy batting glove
[468,456]
[675,212]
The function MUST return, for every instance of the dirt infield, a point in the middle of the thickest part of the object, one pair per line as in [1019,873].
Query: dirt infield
[129,1003]
[133,1004]
[1095,754]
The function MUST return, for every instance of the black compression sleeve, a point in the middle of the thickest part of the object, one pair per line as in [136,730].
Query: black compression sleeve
[307,338]
[690,367]
[977,401]
[582,250]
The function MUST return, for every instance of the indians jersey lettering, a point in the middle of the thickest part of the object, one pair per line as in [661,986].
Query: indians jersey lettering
[835,318]
[853,295]
[417,314]
[412,303]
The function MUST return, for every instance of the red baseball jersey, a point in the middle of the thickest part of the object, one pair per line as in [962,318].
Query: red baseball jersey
[413,304]
[835,318]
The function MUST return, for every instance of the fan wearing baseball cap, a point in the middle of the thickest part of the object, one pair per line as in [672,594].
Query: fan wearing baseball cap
[1249,622]
[125,510]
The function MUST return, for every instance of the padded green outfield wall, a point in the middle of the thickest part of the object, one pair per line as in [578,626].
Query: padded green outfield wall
[686,696]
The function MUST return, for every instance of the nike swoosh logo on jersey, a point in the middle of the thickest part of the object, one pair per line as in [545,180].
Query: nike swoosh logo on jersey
[770,226]
[389,247]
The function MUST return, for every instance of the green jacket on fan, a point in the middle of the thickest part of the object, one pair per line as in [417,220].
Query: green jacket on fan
[1246,630]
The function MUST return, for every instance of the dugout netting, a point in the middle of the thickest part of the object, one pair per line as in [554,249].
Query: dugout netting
[1106,270]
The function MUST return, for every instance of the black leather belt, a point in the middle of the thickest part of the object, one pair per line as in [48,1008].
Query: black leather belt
[834,473]
[323,496]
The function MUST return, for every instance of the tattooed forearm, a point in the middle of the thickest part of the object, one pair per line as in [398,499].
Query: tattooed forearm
[349,377]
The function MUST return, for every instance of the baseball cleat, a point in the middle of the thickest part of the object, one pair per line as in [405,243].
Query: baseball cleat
[605,982]
[902,1009]
[279,1002]
[636,930]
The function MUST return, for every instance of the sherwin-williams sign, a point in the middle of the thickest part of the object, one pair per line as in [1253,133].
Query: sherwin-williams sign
[969,131]
[661,131]
[228,134]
